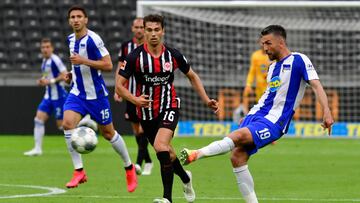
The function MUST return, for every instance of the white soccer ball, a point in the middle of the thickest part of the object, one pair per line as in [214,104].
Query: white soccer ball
[84,140]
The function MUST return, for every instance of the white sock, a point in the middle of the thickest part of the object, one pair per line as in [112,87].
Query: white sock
[217,147]
[245,183]
[39,131]
[75,156]
[119,146]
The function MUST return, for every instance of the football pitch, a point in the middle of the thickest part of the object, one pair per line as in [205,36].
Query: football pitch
[293,170]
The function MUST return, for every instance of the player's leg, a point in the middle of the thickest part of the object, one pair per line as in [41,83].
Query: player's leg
[88,122]
[73,111]
[39,132]
[143,152]
[140,154]
[162,149]
[245,182]
[119,146]
[240,137]
[185,176]
[144,145]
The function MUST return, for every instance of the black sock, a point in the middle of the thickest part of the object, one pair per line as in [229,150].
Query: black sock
[179,170]
[79,169]
[144,142]
[140,154]
[167,173]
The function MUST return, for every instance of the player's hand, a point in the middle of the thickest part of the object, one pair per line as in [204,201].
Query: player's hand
[248,90]
[43,82]
[214,105]
[76,59]
[143,101]
[68,78]
[327,121]
[117,98]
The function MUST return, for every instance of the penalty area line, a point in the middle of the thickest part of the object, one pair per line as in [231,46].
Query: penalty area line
[51,191]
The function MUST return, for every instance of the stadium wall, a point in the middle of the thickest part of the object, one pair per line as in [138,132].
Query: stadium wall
[19,104]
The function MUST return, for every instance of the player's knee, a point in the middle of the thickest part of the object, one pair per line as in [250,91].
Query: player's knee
[68,125]
[160,147]
[239,157]
[108,134]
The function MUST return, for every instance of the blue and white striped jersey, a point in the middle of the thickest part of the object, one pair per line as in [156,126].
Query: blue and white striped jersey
[51,68]
[88,82]
[287,80]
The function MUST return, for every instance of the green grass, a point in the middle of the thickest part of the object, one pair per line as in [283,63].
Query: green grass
[293,170]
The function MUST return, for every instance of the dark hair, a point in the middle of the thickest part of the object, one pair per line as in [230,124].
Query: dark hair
[78,8]
[154,18]
[46,40]
[274,29]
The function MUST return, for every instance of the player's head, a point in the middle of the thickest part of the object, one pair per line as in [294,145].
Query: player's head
[46,47]
[273,41]
[154,29]
[138,28]
[77,17]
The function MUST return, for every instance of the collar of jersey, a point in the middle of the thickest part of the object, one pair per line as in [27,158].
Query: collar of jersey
[147,50]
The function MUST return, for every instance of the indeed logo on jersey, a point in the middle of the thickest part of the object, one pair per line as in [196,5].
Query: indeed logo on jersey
[158,79]
[274,84]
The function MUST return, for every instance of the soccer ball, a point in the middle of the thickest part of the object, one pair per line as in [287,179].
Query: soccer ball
[84,140]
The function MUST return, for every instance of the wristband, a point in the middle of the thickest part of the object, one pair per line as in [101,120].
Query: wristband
[52,81]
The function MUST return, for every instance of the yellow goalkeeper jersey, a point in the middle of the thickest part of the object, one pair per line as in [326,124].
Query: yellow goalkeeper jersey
[259,65]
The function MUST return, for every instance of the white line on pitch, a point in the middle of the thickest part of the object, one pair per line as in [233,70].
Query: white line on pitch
[52,191]
[213,198]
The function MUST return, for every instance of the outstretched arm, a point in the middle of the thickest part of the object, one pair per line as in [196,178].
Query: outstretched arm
[199,88]
[322,98]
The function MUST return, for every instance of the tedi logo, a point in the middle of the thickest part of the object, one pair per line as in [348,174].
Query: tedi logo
[274,84]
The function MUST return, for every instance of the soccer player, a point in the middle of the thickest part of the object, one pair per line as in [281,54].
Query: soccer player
[88,94]
[137,29]
[258,70]
[153,65]
[53,74]
[270,118]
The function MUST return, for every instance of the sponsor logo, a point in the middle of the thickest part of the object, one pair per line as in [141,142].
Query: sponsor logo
[274,84]
[82,45]
[156,80]
[167,66]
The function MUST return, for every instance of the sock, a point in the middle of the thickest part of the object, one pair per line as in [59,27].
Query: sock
[119,146]
[75,156]
[140,154]
[39,131]
[144,145]
[216,148]
[167,173]
[179,170]
[245,183]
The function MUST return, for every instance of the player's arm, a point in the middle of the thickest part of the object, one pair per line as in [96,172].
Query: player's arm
[123,92]
[250,76]
[103,64]
[199,88]
[117,98]
[323,100]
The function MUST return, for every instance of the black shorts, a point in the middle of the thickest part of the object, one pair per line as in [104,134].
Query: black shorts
[130,113]
[167,119]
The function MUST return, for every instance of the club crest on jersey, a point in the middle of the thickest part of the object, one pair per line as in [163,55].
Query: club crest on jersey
[167,66]
[274,84]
